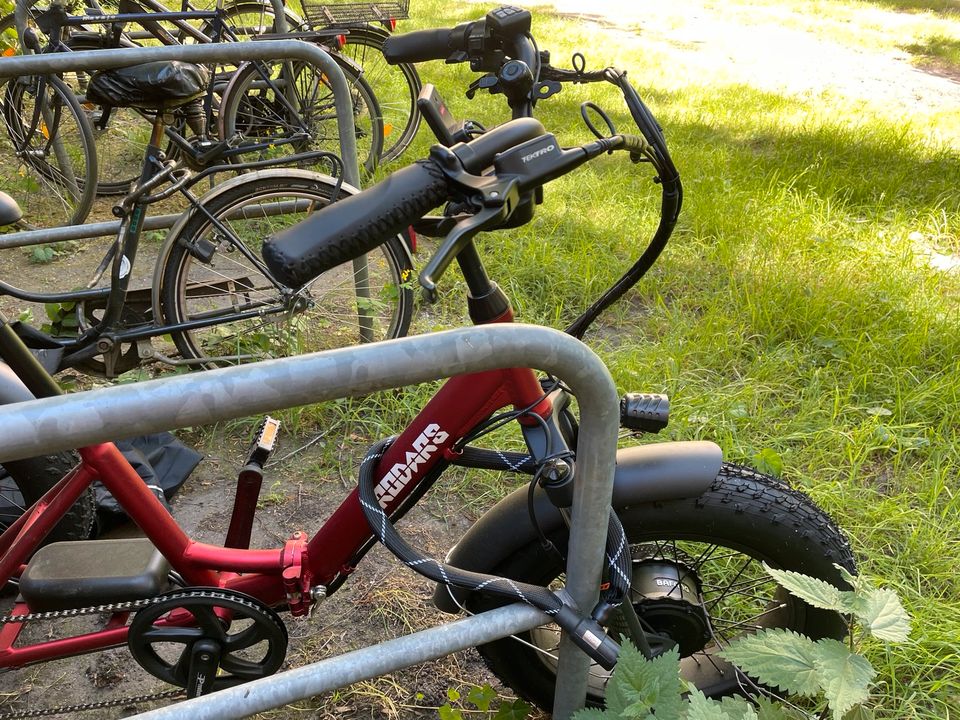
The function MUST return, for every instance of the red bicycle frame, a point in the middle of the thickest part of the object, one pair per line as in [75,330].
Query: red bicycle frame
[275,576]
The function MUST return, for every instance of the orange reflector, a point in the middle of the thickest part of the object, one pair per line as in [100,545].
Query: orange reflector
[43,130]
[387,129]
[8,52]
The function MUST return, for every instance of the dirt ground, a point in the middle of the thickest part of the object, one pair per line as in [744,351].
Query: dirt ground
[382,600]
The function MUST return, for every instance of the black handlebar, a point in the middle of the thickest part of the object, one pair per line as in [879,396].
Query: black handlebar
[356,225]
[424,45]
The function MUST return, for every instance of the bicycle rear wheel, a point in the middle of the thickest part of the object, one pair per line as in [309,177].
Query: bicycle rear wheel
[395,86]
[50,152]
[25,482]
[285,107]
[121,135]
[213,274]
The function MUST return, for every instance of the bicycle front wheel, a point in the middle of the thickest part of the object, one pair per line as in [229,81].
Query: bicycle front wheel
[713,547]
[286,107]
[213,276]
[53,157]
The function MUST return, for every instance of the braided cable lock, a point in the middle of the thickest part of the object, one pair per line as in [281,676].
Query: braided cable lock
[585,632]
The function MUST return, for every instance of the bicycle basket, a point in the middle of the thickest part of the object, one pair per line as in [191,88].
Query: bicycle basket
[324,14]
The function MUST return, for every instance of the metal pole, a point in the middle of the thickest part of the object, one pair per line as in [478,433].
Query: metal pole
[43,426]
[206,54]
[370,662]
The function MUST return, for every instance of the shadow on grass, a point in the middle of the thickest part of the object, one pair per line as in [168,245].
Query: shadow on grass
[873,165]
[941,7]
[939,55]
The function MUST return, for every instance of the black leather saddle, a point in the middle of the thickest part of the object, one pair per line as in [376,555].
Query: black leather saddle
[158,85]
[10,212]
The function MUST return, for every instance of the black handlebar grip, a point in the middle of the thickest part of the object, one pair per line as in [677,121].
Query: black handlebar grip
[355,225]
[419,46]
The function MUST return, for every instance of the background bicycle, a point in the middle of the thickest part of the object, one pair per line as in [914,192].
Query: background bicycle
[280,108]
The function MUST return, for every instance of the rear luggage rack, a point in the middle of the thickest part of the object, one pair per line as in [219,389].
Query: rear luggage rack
[325,14]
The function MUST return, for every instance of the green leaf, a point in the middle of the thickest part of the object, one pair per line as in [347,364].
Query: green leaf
[515,710]
[769,710]
[448,713]
[816,592]
[769,462]
[777,657]
[482,696]
[452,695]
[859,712]
[844,676]
[859,584]
[703,708]
[885,617]
[640,686]
[738,708]
[591,714]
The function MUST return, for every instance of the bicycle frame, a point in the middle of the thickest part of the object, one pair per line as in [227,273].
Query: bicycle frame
[274,576]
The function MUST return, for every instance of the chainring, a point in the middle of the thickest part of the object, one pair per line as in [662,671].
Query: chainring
[250,636]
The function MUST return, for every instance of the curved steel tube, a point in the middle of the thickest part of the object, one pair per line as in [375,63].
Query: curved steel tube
[42,426]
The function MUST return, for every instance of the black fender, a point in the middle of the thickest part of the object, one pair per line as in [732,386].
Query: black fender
[647,473]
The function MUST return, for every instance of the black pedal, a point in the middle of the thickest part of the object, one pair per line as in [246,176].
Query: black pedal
[85,573]
[646,412]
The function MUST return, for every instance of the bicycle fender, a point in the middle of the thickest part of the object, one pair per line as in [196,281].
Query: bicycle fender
[647,473]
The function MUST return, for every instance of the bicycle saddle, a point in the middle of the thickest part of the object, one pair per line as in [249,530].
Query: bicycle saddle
[10,212]
[160,85]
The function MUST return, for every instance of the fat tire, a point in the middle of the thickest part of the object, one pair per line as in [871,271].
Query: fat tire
[34,476]
[743,510]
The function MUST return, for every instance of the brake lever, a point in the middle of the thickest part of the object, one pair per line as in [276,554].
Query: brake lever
[500,198]
[487,82]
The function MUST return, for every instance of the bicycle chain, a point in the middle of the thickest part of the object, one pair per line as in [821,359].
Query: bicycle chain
[64,709]
[78,612]
[95,610]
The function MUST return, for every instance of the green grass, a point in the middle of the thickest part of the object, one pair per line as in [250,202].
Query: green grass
[795,309]
[937,48]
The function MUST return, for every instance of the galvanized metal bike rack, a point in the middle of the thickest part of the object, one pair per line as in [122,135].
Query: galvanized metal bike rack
[53,63]
[114,413]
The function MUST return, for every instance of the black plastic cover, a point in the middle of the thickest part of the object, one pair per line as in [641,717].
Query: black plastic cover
[156,85]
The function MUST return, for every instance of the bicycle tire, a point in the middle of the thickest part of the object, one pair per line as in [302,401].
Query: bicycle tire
[122,142]
[253,108]
[65,178]
[27,480]
[396,88]
[207,275]
[754,517]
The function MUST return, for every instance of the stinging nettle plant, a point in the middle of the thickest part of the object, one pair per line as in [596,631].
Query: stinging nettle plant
[780,659]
